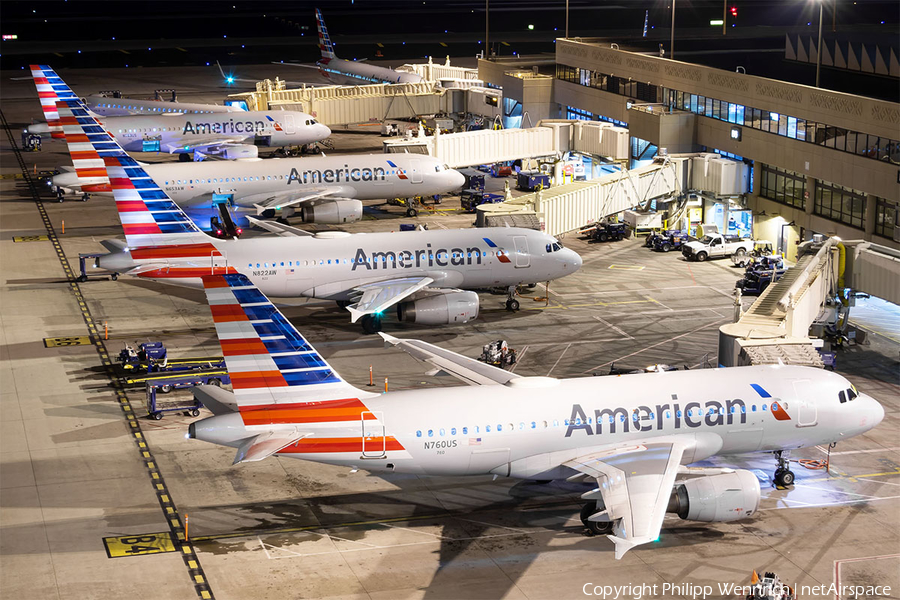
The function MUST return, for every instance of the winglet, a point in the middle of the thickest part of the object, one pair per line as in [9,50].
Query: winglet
[623,545]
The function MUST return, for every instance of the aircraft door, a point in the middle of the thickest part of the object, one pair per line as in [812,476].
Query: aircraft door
[522,258]
[807,413]
[290,126]
[373,441]
[416,175]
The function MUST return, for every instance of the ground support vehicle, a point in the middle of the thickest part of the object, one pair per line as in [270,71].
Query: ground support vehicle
[761,248]
[673,241]
[155,408]
[474,179]
[530,181]
[604,232]
[501,170]
[498,354]
[82,266]
[150,361]
[716,245]
[658,234]
[470,199]
[755,281]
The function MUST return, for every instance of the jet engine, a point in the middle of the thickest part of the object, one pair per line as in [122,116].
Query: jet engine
[342,210]
[238,151]
[440,309]
[725,497]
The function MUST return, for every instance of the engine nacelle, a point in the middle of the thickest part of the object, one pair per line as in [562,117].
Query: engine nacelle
[239,151]
[440,309]
[332,211]
[725,497]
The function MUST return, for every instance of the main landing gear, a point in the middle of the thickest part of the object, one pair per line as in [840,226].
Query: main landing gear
[784,477]
[512,305]
[371,324]
[595,527]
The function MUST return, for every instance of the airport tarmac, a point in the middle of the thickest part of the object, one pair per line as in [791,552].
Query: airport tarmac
[97,499]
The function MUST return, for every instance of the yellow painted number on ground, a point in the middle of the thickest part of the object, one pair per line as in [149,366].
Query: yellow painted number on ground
[136,545]
[80,340]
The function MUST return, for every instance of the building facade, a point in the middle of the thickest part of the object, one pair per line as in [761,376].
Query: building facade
[823,161]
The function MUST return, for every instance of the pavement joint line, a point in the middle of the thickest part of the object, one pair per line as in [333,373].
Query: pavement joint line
[201,586]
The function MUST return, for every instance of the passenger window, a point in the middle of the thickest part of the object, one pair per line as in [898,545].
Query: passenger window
[533,425]
[487,428]
[441,432]
[430,433]
[763,408]
[453,431]
[419,433]
[465,431]
[499,427]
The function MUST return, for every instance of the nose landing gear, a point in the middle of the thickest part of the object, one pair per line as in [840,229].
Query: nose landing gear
[512,305]
[783,477]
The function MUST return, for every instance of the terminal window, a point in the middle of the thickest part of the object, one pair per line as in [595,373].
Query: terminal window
[886,217]
[781,185]
[840,204]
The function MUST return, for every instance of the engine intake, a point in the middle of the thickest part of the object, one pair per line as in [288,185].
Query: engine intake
[725,497]
[440,309]
[332,211]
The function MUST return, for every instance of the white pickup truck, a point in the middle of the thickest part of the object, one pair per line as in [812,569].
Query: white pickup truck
[715,245]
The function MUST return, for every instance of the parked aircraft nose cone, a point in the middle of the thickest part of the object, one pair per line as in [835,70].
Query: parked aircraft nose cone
[457,179]
[323,131]
[39,128]
[877,410]
[572,258]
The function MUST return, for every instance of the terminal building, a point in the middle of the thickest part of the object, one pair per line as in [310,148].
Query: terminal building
[820,161]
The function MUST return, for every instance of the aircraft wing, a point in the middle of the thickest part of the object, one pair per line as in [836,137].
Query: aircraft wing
[468,370]
[279,228]
[207,143]
[279,200]
[266,444]
[379,295]
[634,482]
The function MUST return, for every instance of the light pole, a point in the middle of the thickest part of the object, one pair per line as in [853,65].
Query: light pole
[819,47]
[672,37]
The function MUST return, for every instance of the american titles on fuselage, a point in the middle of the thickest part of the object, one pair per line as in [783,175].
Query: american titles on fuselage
[230,126]
[335,175]
[644,418]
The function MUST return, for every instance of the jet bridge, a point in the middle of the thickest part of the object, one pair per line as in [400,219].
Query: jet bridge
[775,329]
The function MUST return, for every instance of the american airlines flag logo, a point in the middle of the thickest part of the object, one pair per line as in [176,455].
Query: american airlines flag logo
[474,441]
[400,172]
[501,253]
[277,126]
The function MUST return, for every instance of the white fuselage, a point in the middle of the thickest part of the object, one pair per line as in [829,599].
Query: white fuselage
[268,128]
[362,177]
[351,72]
[331,267]
[119,107]
[531,426]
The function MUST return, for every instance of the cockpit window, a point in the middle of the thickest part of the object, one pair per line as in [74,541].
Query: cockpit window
[842,396]
[851,394]
[438,168]
[554,247]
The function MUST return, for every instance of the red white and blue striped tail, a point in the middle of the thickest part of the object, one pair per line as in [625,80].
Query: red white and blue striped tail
[51,88]
[149,217]
[325,45]
[274,371]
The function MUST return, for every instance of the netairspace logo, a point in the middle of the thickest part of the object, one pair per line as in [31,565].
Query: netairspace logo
[731,590]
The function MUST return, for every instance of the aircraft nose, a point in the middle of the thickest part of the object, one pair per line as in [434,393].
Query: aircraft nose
[457,179]
[39,128]
[324,131]
[877,410]
[573,258]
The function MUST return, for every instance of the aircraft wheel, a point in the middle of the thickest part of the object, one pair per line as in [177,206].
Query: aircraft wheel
[512,305]
[371,324]
[595,527]
[784,478]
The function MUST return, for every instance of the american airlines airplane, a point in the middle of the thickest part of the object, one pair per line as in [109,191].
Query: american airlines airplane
[324,189]
[352,72]
[226,135]
[119,107]
[425,274]
[631,436]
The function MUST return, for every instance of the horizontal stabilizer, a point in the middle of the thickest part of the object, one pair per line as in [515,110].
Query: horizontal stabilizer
[114,246]
[217,400]
[266,444]
[278,228]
